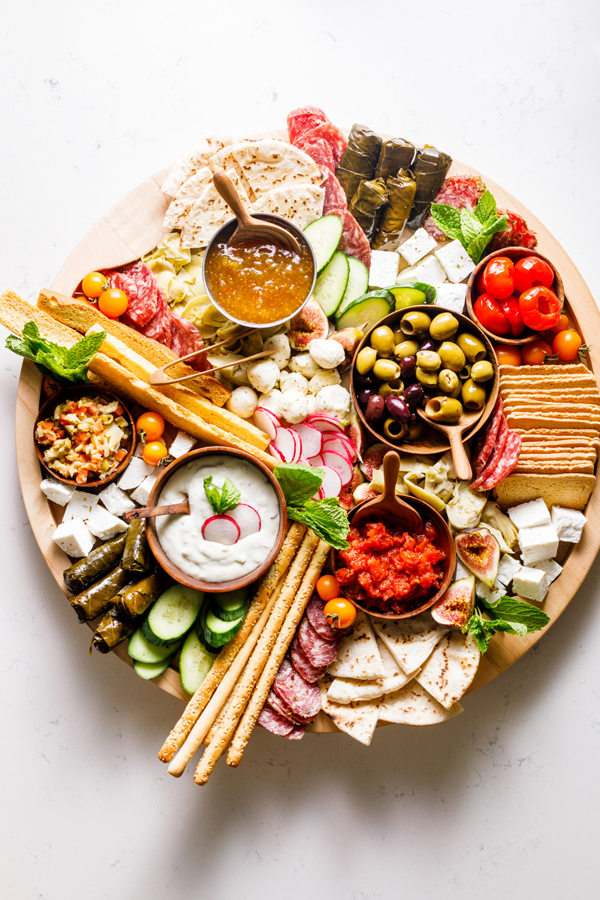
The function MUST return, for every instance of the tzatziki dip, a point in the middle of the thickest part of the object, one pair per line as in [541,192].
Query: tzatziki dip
[232,551]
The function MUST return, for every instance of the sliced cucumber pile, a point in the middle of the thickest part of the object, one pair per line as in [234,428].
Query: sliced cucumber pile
[151,670]
[366,311]
[143,651]
[173,614]
[358,283]
[217,631]
[331,283]
[195,662]
[230,605]
[324,235]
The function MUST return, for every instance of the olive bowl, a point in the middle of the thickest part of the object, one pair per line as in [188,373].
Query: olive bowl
[431,441]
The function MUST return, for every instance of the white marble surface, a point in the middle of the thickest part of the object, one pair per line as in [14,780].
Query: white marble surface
[501,801]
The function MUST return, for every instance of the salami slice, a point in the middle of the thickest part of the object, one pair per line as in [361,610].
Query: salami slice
[304,119]
[303,665]
[485,440]
[319,151]
[143,306]
[159,326]
[316,617]
[332,135]
[459,191]
[185,338]
[335,198]
[489,467]
[506,463]
[275,723]
[303,698]
[123,283]
[296,733]
[354,241]
[283,709]
[319,652]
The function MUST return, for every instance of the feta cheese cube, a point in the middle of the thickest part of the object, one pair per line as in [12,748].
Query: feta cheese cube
[73,537]
[417,246]
[183,443]
[134,474]
[528,515]
[489,594]
[81,505]
[384,268]
[429,271]
[507,569]
[115,500]
[550,567]
[56,491]
[141,493]
[104,525]
[568,523]
[539,542]
[531,583]
[455,260]
[452,296]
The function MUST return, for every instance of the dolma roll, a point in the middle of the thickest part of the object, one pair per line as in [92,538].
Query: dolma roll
[401,193]
[395,154]
[84,572]
[136,553]
[429,170]
[359,160]
[135,599]
[366,204]
[98,598]
[111,630]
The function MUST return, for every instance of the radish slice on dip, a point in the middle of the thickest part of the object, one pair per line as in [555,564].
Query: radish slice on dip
[221,530]
[247,518]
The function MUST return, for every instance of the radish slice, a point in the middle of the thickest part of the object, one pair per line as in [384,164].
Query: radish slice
[317,461]
[344,439]
[247,518]
[311,439]
[221,530]
[335,446]
[320,495]
[275,452]
[325,423]
[288,443]
[266,420]
[332,483]
[340,464]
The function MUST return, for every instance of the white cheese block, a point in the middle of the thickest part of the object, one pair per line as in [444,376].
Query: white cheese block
[550,567]
[455,260]
[452,296]
[56,491]
[104,525]
[417,246]
[115,500]
[182,444]
[540,542]
[490,594]
[531,583]
[134,474]
[81,505]
[507,569]
[428,271]
[73,536]
[528,515]
[568,523]
[141,493]
[384,268]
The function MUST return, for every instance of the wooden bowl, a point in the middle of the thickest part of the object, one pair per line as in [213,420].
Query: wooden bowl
[426,512]
[430,441]
[514,253]
[74,393]
[161,557]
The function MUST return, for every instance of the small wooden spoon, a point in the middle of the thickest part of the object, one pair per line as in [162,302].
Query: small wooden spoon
[150,512]
[389,504]
[248,227]
[454,433]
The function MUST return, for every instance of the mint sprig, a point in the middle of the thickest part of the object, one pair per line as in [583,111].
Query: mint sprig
[474,229]
[325,517]
[63,363]
[505,614]
[222,500]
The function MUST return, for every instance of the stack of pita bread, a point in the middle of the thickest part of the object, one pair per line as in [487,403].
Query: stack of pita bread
[270,176]
[407,671]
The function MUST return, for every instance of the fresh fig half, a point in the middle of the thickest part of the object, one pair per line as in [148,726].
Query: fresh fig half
[455,608]
[480,553]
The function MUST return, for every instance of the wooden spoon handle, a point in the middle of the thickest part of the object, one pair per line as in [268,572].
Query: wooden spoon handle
[226,189]
[459,455]
[149,512]
[391,467]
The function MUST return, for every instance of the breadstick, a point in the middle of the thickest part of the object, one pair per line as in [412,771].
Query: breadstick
[240,696]
[284,639]
[225,658]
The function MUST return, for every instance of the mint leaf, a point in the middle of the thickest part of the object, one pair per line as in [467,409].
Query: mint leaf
[65,364]
[213,493]
[80,353]
[476,247]
[447,220]
[517,612]
[299,483]
[222,500]
[470,225]
[326,518]
[485,210]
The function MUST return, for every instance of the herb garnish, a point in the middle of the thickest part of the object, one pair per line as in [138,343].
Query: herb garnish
[62,363]
[505,614]
[325,517]
[473,229]
[222,500]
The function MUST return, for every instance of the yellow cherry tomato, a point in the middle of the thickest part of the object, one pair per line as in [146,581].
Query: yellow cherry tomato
[340,613]
[113,303]
[152,424]
[154,452]
[93,285]
[328,587]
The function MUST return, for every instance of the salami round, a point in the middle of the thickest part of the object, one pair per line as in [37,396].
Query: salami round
[159,326]
[304,119]
[335,198]
[185,338]
[319,151]
[319,651]
[334,137]
[296,733]
[354,241]
[316,617]
[143,306]
[273,722]
[459,191]
[303,698]
[303,665]
[485,440]
[506,463]
[283,709]
[496,455]
[517,233]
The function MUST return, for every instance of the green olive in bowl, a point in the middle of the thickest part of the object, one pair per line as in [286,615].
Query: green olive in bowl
[452,356]
[405,348]
[428,360]
[473,394]
[382,340]
[386,370]
[482,370]
[415,324]
[444,409]
[472,347]
[443,327]
[448,381]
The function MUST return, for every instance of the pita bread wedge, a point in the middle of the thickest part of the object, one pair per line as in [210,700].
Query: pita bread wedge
[346,690]
[358,655]
[208,214]
[413,705]
[451,668]
[192,161]
[190,191]
[270,164]
[357,719]
[410,641]
[298,203]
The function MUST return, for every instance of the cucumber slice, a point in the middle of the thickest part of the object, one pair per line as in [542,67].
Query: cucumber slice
[199,627]
[324,235]
[195,662]
[173,613]
[217,632]
[230,605]
[331,283]
[143,651]
[366,311]
[358,282]
[412,294]
[151,670]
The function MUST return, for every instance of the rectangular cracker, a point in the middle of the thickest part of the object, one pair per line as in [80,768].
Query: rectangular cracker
[531,420]
[570,491]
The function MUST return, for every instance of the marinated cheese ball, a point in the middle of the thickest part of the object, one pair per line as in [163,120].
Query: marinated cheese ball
[243,402]
[263,375]
[293,381]
[272,400]
[294,407]
[323,378]
[280,343]
[327,354]
[333,400]
[304,364]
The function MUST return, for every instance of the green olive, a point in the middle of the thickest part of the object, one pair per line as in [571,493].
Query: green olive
[465,373]
[396,386]
[382,340]
[405,348]
[415,324]
[482,370]
[456,392]
[473,395]
[365,360]
[394,430]
[414,429]
[427,379]
[444,409]
[451,356]
[472,347]
[428,360]
[448,381]
[386,369]
[443,327]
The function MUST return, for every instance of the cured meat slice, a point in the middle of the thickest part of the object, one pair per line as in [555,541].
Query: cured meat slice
[485,440]
[319,651]
[143,306]
[304,119]
[273,722]
[459,191]
[159,326]
[489,467]
[123,283]
[332,135]
[517,233]
[296,733]
[506,463]
[303,665]
[316,617]
[354,241]
[185,338]
[335,198]
[283,709]
[303,699]
[319,151]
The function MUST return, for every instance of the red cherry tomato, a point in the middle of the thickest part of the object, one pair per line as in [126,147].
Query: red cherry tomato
[340,613]
[530,272]
[113,303]
[566,345]
[535,354]
[563,324]
[510,308]
[497,278]
[328,587]
[540,308]
[488,311]
[507,355]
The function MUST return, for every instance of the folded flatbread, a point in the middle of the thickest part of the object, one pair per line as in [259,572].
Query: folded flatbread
[192,161]
[270,164]
[358,655]
[451,668]
[298,203]
[347,690]
[410,641]
[209,213]
[358,719]
[413,705]
[190,191]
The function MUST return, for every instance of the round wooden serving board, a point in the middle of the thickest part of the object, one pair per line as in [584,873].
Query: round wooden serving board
[133,227]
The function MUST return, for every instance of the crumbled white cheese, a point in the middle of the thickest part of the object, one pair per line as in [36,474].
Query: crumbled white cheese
[528,515]
[428,271]
[294,407]
[56,491]
[80,506]
[242,402]
[323,378]
[417,246]
[115,500]
[384,268]
[327,354]
[507,569]
[134,474]
[182,443]
[568,523]
[73,537]
[539,542]
[461,571]
[452,296]
[104,525]
[305,364]
[114,434]
[142,493]
[531,583]
[293,381]
[492,595]
[455,260]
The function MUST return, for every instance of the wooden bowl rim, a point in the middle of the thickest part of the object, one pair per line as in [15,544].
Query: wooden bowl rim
[161,557]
